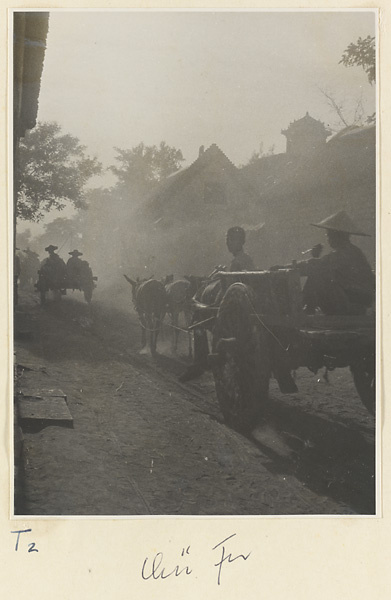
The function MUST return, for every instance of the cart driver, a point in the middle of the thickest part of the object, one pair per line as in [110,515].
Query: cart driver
[342,281]
[235,239]
[54,267]
[75,268]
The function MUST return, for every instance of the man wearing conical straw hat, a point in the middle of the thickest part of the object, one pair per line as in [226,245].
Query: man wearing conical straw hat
[342,281]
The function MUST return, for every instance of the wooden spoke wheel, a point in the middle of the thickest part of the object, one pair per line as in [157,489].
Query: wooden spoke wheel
[240,358]
[364,379]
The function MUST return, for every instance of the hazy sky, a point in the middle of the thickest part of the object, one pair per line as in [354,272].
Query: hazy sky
[193,78]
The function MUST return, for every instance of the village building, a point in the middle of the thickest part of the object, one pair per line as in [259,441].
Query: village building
[180,227]
[305,136]
[298,188]
[188,214]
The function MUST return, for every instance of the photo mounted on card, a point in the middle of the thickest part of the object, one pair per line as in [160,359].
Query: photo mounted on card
[195,240]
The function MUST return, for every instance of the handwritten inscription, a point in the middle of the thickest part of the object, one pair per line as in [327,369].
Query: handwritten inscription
[226,558]
[31,546]
[156,568]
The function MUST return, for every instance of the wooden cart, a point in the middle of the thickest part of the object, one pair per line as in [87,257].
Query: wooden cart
[58,286]
[261,329]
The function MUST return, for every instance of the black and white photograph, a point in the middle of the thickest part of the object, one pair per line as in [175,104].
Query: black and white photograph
[195,215]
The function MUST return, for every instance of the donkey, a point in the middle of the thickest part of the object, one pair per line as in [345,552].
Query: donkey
[150,301]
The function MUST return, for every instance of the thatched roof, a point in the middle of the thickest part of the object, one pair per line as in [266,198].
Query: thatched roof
[169,191]
[30,32]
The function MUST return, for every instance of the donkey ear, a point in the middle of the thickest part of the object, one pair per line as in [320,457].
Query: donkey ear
[133,283]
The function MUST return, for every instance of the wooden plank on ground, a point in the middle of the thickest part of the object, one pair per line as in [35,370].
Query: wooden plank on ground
[45,410]
[44,393]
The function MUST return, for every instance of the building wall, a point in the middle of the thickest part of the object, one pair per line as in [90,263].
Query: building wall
[303,143]
[288,231]
[339,176]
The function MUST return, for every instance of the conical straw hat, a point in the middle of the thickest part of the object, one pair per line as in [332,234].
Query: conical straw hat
[340,221]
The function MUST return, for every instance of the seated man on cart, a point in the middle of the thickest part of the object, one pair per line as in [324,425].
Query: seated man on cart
[235,239]
[77,270]
[342,281]
[53,269]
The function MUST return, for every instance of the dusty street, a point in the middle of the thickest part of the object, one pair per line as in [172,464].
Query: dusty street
[142,443]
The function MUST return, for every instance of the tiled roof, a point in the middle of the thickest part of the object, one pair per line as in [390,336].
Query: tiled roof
[306,122]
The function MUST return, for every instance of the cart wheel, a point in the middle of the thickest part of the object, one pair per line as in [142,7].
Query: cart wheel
[241,366]
[364,379]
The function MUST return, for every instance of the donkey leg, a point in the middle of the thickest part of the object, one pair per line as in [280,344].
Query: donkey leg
[188,323]
[143,330]
[154,327]
[175,331]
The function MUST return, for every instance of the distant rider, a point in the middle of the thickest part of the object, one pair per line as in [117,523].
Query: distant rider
[54,268]
[75,268]
[29,268]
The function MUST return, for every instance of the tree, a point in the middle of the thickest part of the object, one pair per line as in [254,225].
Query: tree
[362,54]
[142,166]
[261,153]
[62,231]
[167,160]
[53,171]
[23,239]
[349,115]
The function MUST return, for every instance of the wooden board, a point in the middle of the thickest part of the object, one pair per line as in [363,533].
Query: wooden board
[47,410]
[44,393]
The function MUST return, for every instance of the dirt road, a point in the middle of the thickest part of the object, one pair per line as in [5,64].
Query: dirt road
[143,443]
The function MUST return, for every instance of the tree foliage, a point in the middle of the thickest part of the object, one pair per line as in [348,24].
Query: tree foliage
[54,170]
[142,166]
[61,232]
[362,54]
[23,239]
